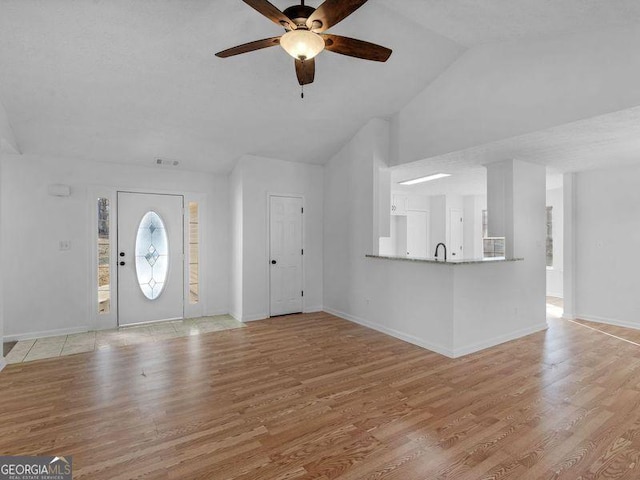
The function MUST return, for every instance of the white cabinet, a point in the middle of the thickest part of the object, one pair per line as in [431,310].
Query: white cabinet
[399,204]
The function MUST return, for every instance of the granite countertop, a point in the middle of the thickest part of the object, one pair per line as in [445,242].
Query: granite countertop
[463,261]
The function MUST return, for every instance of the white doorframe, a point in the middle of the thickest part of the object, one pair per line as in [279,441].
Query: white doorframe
[185,259]
[268,245]
[110,320]
[459,213]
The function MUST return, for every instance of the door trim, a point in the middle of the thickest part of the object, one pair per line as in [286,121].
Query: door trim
[98,321]
[268,245]
[450,232]
[185,264]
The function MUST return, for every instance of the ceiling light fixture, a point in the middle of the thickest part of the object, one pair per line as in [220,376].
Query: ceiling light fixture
[425,179]
[306,35]
[302,44]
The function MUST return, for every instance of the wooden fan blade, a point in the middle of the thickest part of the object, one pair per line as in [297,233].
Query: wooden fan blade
[271,12]
[332,12]
[356,48]
[306,71]
[249,47]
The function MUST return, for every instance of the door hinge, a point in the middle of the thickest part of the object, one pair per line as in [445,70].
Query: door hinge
[302,210]
[303,293]
[302,252]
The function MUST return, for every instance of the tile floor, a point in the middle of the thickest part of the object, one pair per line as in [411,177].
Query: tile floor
[29,350]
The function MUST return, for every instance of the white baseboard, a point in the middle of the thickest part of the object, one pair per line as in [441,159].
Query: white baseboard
[3,363]
[45,333]
[476,347]
[216,313]
[455,353]
[313,309]
[254,318]
[394,333]
[608,321]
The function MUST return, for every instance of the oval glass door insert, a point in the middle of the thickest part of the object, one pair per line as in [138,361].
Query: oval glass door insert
[152,255]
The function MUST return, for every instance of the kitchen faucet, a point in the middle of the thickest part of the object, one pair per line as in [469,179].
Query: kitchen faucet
[445,251]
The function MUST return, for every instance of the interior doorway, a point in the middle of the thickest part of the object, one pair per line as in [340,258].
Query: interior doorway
[285,255]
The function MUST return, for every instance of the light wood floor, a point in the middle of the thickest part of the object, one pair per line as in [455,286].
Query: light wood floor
[313,396]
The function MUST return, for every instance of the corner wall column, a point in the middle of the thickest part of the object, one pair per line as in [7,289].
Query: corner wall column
[569,246]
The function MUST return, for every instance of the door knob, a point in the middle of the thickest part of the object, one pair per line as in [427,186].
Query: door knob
[122,254]
[122,264]
[273,262]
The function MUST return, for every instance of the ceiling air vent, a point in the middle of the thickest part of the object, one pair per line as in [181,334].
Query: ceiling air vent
[167,163]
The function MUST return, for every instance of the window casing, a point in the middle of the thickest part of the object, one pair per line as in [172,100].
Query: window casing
[194,253]
[549,243]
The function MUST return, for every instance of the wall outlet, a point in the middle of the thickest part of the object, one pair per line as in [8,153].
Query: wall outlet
[65,245]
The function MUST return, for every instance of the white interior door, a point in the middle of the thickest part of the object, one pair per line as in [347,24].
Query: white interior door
[285,245]
[150,258]
[456,236]
[417,234]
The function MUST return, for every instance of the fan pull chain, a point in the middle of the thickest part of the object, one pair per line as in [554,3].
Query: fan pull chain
[301,91]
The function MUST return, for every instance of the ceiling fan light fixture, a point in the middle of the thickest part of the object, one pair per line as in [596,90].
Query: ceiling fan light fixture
[302,44]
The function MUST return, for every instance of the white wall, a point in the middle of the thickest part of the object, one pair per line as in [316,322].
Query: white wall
[501,90]
[473,207]
[453,202]
[607,240]
[438,221]
[8,142]
[236,240]
[48,290]
[421,303]
[260,177]
[555,273]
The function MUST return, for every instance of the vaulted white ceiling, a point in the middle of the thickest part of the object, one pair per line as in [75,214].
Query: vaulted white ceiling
[132,80]
[605,141]
[129,81]
[474,22]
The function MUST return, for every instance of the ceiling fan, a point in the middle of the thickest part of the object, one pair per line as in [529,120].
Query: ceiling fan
[304,37]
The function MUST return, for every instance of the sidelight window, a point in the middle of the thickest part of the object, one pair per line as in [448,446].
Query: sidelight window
[549,244]
[104,257]
[194,253]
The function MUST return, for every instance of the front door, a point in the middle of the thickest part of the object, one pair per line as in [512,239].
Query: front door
[285,244]
[150,257]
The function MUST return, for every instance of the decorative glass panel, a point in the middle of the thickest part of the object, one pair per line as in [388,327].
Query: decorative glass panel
[104,257]
[152,255]
[194,246]
[549,236]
